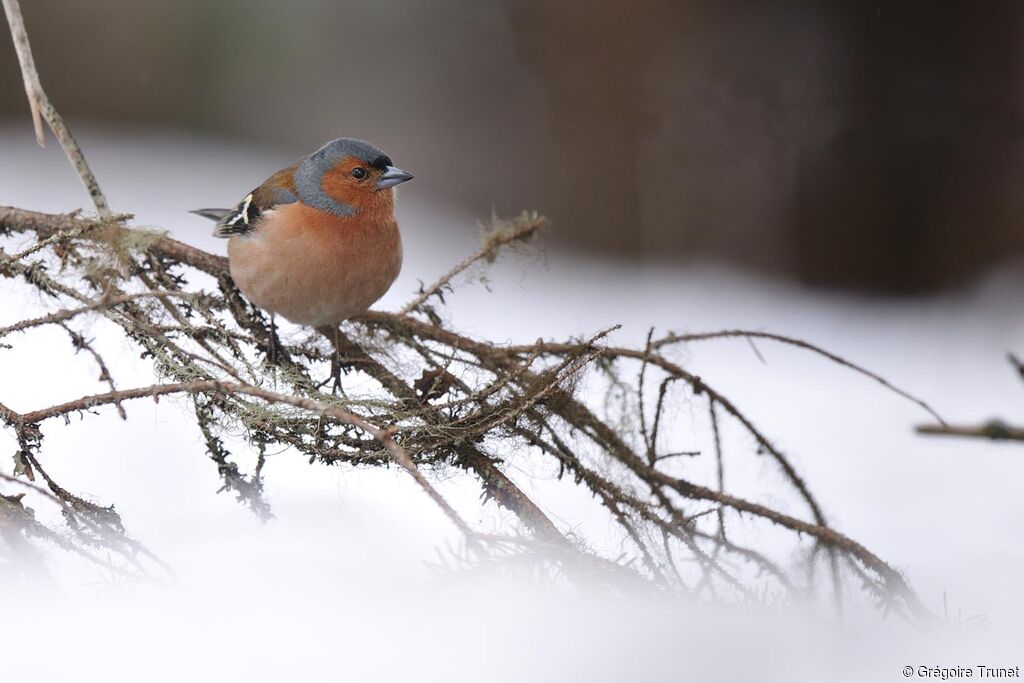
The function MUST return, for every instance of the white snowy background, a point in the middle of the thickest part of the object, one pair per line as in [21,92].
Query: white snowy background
[339,585]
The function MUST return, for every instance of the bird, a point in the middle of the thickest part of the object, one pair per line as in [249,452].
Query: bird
[318,242]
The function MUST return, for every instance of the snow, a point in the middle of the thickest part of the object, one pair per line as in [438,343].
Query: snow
[338,586]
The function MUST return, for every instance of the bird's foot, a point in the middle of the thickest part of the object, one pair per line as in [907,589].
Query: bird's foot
[338,368]
[336,374]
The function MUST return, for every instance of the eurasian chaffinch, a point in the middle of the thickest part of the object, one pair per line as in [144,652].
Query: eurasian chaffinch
[317,242]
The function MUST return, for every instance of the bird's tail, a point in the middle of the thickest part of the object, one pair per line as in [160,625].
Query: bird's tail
[212,214]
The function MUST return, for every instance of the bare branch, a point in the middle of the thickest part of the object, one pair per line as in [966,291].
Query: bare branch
[519,229]
[40,106]
[385,436]
[1017,364]
[102,303]
[799,343]
[995,430]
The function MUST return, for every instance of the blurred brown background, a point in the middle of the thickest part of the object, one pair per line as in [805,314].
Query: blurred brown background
[869,145]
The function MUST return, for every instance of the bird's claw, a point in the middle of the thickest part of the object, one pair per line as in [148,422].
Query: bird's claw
[334,378]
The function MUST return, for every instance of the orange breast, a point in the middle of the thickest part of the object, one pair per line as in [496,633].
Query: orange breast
[315,268]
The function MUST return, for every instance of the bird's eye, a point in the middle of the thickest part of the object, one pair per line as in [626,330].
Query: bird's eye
[358,172]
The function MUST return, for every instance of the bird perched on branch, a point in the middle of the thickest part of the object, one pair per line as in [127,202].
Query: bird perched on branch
[317,242]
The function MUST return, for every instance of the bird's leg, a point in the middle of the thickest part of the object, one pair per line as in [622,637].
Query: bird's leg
[336,361]
[274,341]
[334,334]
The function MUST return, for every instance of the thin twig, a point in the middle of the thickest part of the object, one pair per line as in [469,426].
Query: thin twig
[1017,364]
[719,463]
[995,430]
[41,106]
[799,343]
[100,304]
[518,229]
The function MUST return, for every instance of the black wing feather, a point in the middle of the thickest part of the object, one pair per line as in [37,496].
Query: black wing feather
[278,189]
[239,220]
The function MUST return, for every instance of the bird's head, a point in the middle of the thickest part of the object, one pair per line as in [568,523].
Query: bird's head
[347,176]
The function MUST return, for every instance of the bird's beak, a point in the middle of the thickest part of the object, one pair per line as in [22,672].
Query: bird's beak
[392,176]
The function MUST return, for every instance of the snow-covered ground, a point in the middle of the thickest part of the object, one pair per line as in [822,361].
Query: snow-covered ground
[337,586]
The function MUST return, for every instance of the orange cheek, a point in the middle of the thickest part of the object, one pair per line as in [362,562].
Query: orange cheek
[343,189]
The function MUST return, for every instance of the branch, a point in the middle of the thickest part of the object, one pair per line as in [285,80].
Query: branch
[519,229]
[1017,364]
[799,343]
[505,397]
[384,436]
[995,430]
[40,105]
[100,304]
[47,225]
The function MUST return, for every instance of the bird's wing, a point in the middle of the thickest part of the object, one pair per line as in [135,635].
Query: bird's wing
[278,189]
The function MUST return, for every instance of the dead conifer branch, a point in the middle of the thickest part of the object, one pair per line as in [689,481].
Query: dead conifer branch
[496,406]
[386,437]
[103,302]
[442,400]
